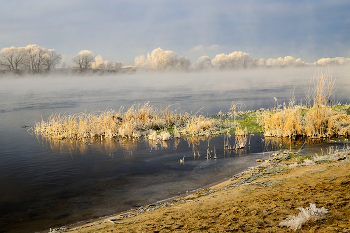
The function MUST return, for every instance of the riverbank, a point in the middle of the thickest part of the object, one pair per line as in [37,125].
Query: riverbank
[257,200]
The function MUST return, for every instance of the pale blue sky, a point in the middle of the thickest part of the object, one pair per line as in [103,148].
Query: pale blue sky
[119,30]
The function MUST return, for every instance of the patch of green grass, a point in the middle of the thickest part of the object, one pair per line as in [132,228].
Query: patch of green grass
[340,107]
[248,120]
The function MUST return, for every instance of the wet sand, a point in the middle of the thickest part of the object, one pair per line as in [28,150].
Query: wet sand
[253,201]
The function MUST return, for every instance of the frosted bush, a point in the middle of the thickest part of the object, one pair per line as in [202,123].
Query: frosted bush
[309,214]
[152,135]
[308,162]
[293,165]
[164,136]
[333,154]
[176,133]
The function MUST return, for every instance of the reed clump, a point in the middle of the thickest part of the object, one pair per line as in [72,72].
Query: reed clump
[200,125]
[138,121]
[134,123]
[318,119]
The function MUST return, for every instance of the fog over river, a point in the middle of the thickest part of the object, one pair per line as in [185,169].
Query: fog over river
[54,183]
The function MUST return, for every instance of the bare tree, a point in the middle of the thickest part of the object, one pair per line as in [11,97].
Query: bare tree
[51,59]
[36,56]
[118,66]
[184,63]
[13,58]
[107,65]
[83,60]
[203,63]
[97,64]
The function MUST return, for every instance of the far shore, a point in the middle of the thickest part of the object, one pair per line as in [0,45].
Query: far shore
[256,200]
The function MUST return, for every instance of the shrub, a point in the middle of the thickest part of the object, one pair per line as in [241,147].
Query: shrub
[309,214]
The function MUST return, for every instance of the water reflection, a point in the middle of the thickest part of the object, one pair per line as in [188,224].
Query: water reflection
[201,146]
[297,143]
[50,183]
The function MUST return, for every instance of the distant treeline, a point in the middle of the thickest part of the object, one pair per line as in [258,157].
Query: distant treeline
[34,59]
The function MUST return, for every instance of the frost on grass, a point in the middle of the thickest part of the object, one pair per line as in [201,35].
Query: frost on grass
[315,120]
[333,154]
[134,123]
[307,215]
[308,162]
[163,136]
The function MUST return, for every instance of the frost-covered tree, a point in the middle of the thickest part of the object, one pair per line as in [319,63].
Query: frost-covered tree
[140,62]
[117,66]
[202,63]
[13,58]
[51,59]
[260,62]
[107,65]
[83,60]
[233,60]
[283,62]
[171,58]
[157,60]
[97,64]
[184,63]
[35,59]
[332,61]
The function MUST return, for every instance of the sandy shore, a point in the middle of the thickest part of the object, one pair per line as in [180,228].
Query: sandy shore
[254,201]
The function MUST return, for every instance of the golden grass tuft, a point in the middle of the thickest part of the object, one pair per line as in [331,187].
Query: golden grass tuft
[285,122]
[138,121]
[109,124]
[241,137]
[316,120]
[201,126]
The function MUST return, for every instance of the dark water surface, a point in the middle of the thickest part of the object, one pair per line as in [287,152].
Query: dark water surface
[50,184]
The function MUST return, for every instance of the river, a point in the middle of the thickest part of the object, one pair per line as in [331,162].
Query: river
[54,183]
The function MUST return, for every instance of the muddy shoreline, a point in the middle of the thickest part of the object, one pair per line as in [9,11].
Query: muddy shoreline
[259,199]
[92,221]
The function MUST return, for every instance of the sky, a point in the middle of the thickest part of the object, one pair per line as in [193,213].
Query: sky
[119,30]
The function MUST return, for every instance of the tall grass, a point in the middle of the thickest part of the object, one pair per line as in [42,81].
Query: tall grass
[315,120]
[138,121]
[134,123]
[199,125]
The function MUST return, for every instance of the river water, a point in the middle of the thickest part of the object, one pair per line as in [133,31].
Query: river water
[54,183]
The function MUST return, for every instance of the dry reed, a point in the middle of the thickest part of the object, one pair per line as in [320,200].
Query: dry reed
[316,120]
[201,126]
[136,122]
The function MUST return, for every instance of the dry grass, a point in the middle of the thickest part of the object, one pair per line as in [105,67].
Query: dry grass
[136,122]
[316,120]
[201,126]
[309,214]
[241,138]
[282,122]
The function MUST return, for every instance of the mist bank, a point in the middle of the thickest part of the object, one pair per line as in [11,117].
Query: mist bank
[34,59]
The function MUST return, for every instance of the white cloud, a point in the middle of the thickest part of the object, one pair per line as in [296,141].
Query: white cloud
[198,48]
